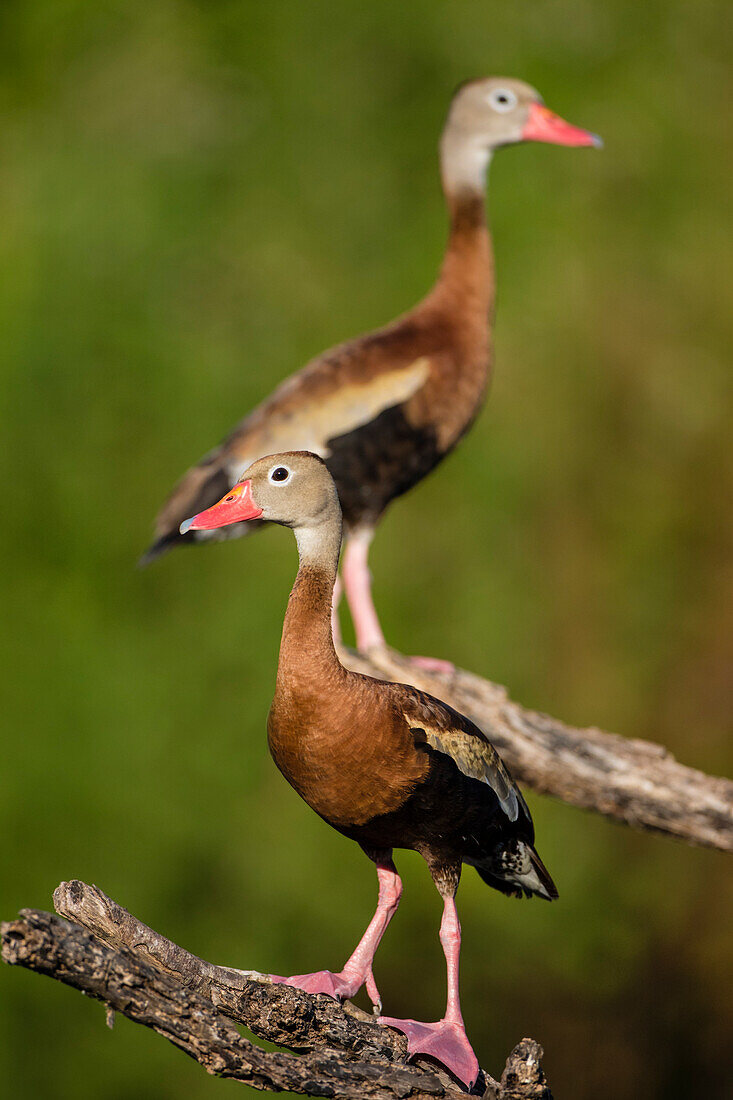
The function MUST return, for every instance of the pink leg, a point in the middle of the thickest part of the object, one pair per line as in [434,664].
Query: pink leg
[358,585]
[433,664]
[445,1041]
[358,968]
[335,624]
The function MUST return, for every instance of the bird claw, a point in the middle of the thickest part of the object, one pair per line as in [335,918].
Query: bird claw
[341,987]
[446,1042]
[433,664]
[321,981]
[373,994]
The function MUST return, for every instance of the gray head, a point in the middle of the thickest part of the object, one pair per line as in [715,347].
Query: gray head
[494,111]
[294,489]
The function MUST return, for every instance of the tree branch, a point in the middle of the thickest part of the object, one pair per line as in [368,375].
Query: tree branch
[110,955]
[633,781]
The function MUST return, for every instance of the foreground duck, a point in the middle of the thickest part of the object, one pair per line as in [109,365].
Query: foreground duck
[384,409]
[384,764]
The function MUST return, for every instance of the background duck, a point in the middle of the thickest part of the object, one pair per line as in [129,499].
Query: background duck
[385,764]
[385,408]
[177,237]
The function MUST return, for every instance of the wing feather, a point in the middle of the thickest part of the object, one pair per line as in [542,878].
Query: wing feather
[448,732]
[318,404]
[324,413]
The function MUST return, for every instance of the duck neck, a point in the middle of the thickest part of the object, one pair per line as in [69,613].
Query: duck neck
[467,275]
[307,652]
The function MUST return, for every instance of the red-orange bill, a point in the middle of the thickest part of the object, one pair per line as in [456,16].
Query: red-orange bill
[545,125]
[235,507]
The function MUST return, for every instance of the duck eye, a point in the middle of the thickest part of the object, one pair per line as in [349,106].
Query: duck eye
[502,99]
[280,473]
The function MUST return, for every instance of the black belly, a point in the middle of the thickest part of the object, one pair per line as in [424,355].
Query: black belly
[448,815]
[379,461]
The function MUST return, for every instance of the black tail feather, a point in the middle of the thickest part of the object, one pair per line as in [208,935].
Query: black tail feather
[517,870]
[544,876]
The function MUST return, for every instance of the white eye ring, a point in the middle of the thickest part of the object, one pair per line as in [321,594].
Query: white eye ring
[280,470]
[502,100]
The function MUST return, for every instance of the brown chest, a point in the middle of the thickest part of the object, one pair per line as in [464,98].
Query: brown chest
[455,390]
[347,770]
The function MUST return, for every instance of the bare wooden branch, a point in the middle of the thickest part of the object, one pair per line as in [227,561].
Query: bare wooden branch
[636,782]
[344,1053]
[110,955]
[276,1012]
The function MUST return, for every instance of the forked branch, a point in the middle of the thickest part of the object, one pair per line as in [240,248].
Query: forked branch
[110,955]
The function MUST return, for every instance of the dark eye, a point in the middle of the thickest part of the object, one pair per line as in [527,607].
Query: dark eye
[502,99]
[280,473]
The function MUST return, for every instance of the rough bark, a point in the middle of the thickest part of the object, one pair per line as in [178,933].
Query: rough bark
[636,782]
[110,955]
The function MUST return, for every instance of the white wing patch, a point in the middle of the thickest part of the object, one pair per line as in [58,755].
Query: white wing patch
[316,420]
[478,760]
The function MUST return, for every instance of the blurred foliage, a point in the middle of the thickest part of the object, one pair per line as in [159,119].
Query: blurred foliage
[195,197]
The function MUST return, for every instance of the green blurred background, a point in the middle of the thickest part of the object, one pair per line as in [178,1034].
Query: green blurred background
[196,197]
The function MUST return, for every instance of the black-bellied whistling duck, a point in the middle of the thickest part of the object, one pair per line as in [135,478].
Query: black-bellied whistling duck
[384,409]
[384,764]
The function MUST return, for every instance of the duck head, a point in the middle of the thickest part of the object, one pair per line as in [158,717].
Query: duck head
[488,113]
[294,489]
[498,111]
